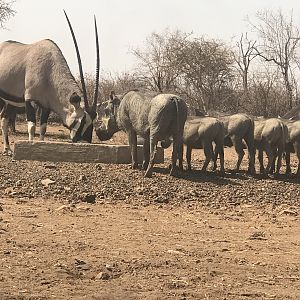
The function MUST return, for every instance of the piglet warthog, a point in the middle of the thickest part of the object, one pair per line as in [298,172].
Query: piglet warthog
[293,144]
[239,127]
[153,118]
[271,136]
[200,133]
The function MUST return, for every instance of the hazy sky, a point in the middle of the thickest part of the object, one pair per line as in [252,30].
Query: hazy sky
[126,24]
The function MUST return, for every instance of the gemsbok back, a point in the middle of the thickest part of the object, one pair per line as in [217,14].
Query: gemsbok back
[39,73]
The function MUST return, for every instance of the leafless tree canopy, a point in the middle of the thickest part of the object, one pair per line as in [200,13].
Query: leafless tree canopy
[6,11]
[279,41]
[258,76]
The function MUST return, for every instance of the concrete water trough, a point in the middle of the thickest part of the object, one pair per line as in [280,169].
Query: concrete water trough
[78,152]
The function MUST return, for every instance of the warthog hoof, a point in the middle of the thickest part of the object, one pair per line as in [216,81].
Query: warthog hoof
[148,174]
[251,171]
[145,165]
[172,171]
[222,173]
[134,166]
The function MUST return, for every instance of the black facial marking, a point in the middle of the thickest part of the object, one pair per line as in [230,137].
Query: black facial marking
[86,136]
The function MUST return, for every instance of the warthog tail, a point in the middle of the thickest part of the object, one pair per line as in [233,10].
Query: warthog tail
[177,113]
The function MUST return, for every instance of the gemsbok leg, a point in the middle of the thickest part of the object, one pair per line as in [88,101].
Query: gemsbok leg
[6,146]
[31,119]
[238,145]
[43,122]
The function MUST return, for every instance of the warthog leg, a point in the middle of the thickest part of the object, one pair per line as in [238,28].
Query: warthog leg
[188,157]
[261,160]
[275,154]
[215,158]
[180,154]
[297,151]
[270,155]
[219,150]
[174,156]
[146,149]
[251,154]
[279,158]
[153,149]
[4,125]
[288,161]
[132,139]
[239,148]
[208,151]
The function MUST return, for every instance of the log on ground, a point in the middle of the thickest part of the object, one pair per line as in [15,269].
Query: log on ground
[78,152]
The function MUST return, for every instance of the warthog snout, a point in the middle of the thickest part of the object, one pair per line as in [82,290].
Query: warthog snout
[103,134]
[166,143]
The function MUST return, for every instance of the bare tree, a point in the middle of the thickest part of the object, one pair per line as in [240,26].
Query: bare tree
[206,69]
[6,11]
[280,39]
[156,60]
[243,56]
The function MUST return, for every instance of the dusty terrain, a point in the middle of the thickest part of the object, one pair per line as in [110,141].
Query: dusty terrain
[95,231]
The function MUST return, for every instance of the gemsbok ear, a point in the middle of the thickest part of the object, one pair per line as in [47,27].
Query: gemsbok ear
[75,99]
[112,95]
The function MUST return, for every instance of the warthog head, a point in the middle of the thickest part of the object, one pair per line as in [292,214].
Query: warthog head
[109,125]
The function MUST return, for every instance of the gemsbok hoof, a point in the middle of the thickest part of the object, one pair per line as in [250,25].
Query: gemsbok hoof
[7,152]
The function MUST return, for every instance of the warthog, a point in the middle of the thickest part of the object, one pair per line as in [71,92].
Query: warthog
[153,118]
[293,144]
[200,133]
[239,128]
[270,135]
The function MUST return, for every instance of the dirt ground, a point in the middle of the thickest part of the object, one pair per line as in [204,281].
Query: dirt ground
[96,231]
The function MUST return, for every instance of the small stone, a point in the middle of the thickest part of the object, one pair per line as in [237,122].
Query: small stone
[46,182]
[50,167]
[102,276]
[82,178]
[65,207]
[109,267]
[89,198]
[8,190]
[98,167]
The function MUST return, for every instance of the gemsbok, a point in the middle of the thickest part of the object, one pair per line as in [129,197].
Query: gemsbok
[39,73]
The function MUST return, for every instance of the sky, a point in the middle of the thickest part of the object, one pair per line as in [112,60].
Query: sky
[124,25]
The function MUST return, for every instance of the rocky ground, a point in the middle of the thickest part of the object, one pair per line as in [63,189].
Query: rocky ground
[100,231]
